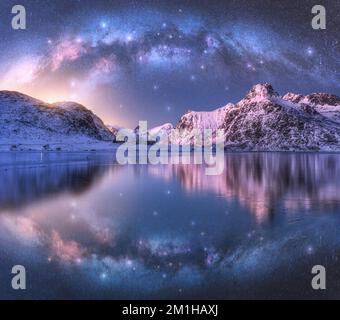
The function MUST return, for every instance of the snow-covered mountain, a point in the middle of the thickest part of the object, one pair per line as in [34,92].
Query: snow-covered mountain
[25,120]
[326,104]
[113,128]
[262,121]
[193,121]
[266,121]
[163,130]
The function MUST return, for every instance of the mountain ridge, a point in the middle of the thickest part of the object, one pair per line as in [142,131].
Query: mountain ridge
[263,120]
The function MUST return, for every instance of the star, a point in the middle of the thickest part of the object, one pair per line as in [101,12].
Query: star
[129,38]
[310,250]
[310,51]
[128,262]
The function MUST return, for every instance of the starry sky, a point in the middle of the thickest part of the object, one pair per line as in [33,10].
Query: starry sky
[154,60]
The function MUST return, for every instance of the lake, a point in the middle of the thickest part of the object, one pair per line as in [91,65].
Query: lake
[86,227]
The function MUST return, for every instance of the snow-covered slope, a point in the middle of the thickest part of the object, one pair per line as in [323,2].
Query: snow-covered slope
[114,128]
[25,120]
[265,121]
[160,131]
[326,104]
[193,121]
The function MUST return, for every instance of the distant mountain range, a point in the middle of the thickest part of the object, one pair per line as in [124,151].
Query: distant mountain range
[262,121]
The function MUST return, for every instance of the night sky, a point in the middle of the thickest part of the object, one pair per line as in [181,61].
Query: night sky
[154,60]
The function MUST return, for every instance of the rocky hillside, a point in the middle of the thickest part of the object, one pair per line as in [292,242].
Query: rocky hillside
[266,121]
[24,119]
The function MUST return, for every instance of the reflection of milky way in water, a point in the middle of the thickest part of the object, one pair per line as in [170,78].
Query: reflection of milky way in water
[85,227]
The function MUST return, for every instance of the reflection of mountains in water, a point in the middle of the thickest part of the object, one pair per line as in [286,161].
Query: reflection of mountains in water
[22,184]
[262,181]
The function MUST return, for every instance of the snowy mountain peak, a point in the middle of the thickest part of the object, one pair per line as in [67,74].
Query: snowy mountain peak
[261,92]
[204,119]
[164,129]
[315,99]
[323,99]
[293,97]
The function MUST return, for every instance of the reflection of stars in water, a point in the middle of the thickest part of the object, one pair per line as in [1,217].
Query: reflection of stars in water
[250,234]
[168,192]
[193,223]
[155,213]
[74,204]
[129,263]
[103,276]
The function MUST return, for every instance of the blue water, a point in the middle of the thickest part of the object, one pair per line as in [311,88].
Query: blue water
[86,227]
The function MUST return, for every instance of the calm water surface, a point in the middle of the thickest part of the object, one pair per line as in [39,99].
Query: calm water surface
[85,227]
